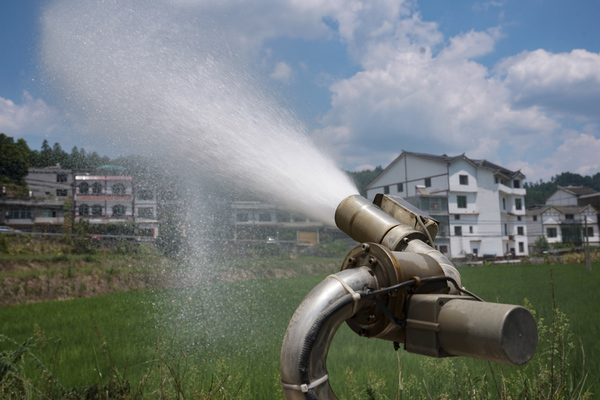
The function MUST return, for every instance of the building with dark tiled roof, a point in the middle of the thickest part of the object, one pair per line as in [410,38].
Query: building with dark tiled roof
[570,215]
[563,224]
[570,195]
[481,204]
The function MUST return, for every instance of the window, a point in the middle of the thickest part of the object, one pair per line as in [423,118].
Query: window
[517,184]
[241,217]
[456,217]
[427,182]
[97,210]
[534,218]
[521,247]
[569,216]
[62,192]
[84,209]
[96,188]
[463,179]
[461,201]
[505,229]
[496,180]
[503,203]
[118,211]
[118,190]
[168,195]
[264,217]
[146,212]
[146,232]
[400,187]
[458,231]
[519,218]
[283,217]
[518,204]
[470,229]
[48,213]
[551,232]
[145,194]
[61,178]
[443,248]
[590,231]
[84,188]
[18,214]
[520,230]
[386,190]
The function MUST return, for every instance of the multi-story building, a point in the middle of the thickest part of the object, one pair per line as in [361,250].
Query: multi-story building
[255,221]
[563,224]
[33,214]
[570,215]
[109,199]
[103,199]
[43,208]
[100,197]
[50,182]
[573,196]
[485,202]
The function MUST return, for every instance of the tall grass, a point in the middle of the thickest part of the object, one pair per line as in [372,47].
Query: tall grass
[232,332]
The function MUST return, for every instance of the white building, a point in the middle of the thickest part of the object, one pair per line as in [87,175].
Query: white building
[563,224]
[109,199]
[572,196]
[569,216]
[254,221]
[486,202]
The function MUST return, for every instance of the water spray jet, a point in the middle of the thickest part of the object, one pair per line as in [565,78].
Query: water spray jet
[395,286]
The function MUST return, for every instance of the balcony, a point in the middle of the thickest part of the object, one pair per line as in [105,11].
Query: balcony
[511,191]
[49,220]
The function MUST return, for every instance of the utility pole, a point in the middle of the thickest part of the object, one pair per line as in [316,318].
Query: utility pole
[588,262]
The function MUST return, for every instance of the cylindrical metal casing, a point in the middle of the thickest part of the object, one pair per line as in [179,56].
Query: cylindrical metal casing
[488,331]
[365,222]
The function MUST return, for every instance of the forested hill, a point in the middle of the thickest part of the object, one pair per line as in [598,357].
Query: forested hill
[17,158]
[537,192]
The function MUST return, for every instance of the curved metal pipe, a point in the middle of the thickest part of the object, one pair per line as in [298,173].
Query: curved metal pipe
[419,247]
[311,329]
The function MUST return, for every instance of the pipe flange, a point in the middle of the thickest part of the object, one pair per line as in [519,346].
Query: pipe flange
[371,321]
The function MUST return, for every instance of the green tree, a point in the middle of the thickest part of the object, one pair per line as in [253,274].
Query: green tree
[59,156]
[363,178]
[541,244]
[45,155]
[14,161]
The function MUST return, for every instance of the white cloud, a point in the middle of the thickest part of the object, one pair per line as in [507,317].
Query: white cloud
[577,153]
[567,83]
[470,45]
[282,72]
[431,102]
[32,118]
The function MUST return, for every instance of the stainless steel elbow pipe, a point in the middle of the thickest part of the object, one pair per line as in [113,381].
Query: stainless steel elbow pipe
[311,329]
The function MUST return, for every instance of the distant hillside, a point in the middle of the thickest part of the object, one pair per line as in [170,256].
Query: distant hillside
[538,192]
[363,178]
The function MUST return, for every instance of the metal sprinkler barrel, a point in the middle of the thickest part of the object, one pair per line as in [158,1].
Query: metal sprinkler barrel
[396,287]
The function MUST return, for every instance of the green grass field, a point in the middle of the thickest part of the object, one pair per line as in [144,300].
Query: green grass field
[237,329]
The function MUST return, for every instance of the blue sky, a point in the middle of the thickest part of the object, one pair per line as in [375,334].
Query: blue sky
[516,82]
